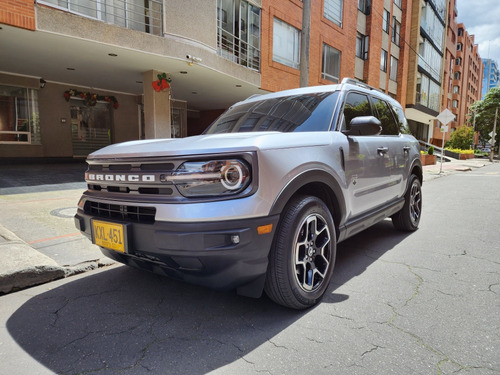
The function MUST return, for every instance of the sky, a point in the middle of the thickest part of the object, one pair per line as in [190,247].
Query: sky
[482,19]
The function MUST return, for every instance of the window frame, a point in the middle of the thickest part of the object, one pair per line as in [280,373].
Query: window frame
[362,47]
[329,5]
[23,110]
[394,64]
[383,60]
[295,62]
[386,23]
[327,75]
[396,31]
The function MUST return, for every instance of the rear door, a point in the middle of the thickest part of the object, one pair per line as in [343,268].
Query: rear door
[396,156]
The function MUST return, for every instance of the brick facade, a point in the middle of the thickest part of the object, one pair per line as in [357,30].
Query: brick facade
[19,13]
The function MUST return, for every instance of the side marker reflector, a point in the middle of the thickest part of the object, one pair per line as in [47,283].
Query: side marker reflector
[265,229]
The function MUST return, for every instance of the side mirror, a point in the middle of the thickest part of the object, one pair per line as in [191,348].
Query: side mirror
[364,125]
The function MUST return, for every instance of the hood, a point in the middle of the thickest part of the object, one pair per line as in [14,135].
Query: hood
[211,144]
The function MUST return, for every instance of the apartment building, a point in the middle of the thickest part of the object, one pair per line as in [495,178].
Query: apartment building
[81,74]
[425,71]
[77,75]
[491,75]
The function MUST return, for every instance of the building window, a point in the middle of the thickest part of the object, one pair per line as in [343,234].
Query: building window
[458,61]
[398,3]
[459,46]
[333,11]
[454,103]
[19,117]
[238,32]
[140,15]
[386,22]
[362,46]
[331,64]
[396,31]
[364,6]
[460,32]
[393,74]
[383,61]
[456,89]
[286,44]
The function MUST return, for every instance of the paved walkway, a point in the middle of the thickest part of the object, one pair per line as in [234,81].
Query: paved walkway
[37,205]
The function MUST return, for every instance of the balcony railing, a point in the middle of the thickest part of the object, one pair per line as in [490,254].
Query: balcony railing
[237,50]
[141,15]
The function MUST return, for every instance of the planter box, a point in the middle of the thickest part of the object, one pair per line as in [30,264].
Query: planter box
[466,156]
[428,159]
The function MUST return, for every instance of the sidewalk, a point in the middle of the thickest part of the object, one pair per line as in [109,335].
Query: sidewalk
[26,208]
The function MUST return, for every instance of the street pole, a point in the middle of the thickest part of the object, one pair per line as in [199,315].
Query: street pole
[442,151]
[493,136]
[304,43]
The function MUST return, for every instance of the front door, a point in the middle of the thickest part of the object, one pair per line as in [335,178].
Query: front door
[90,127]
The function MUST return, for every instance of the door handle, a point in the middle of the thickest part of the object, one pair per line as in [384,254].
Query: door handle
[382,150]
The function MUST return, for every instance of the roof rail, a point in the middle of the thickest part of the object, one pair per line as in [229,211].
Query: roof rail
[353,81]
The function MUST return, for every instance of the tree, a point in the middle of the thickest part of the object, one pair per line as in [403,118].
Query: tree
[462,137]
[485,115]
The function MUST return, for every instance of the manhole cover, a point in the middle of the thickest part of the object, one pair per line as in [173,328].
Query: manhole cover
[65,212]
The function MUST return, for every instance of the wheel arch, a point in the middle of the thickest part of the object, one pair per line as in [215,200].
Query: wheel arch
[416,169]
[319,184]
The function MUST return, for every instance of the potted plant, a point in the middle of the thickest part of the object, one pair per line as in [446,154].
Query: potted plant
[428,157]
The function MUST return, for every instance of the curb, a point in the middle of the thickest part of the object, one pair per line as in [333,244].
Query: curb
[22,266]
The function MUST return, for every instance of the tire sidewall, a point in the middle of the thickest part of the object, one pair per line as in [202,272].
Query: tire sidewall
[309,206]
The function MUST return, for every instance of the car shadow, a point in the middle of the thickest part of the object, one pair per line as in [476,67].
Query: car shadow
[129,321]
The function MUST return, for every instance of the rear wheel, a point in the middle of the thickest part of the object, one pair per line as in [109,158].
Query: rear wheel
[408,218]
[303,254]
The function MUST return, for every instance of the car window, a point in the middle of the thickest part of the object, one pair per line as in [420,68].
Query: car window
[386,117]
[297,113]
[356,104]
[401,119]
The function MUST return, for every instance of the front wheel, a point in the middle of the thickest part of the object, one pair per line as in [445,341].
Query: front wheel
[303,254]
[408,218]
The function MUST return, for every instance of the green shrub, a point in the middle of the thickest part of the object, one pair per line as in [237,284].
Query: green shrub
[430,151]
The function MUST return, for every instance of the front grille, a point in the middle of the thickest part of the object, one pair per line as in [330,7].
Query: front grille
[108,184]
[145,215]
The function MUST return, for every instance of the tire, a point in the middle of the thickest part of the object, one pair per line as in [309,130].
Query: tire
[408,218]
[303,254]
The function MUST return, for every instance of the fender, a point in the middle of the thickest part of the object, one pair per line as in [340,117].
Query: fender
[335,194]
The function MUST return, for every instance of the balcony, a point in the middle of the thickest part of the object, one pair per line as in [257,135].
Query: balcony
[140,15]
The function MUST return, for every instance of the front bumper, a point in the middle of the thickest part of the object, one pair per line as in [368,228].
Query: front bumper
[222,255]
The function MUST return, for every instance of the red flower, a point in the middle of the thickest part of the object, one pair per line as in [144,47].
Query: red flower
[115,105]
[67,96]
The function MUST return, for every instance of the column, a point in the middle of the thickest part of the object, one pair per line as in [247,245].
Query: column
[156,108]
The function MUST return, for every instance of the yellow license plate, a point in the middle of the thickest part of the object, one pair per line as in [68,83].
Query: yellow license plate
[109,235]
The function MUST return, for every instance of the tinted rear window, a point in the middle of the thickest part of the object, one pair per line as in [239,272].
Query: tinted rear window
[299,113]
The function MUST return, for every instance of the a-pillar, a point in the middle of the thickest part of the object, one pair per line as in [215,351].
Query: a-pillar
[156,108]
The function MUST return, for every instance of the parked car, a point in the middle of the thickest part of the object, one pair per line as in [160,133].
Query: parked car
[261,199]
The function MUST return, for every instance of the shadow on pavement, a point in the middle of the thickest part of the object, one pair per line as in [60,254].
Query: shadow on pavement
[31,178]
[128,321]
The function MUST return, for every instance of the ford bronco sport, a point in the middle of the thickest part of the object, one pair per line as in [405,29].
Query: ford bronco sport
[261,199]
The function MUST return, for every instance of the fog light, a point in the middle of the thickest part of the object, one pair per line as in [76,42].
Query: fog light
[235,239]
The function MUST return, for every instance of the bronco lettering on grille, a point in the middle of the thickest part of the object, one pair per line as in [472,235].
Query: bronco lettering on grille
[120,177]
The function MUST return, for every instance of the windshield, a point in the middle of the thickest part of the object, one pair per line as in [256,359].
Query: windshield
[298,113]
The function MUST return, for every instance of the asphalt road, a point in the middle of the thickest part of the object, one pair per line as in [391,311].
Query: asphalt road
[420,303]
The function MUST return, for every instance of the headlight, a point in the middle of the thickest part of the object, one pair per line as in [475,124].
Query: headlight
[214,177]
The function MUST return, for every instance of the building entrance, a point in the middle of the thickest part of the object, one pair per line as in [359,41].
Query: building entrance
[90,127]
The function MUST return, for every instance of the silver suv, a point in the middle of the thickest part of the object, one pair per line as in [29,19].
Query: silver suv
[261,199]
